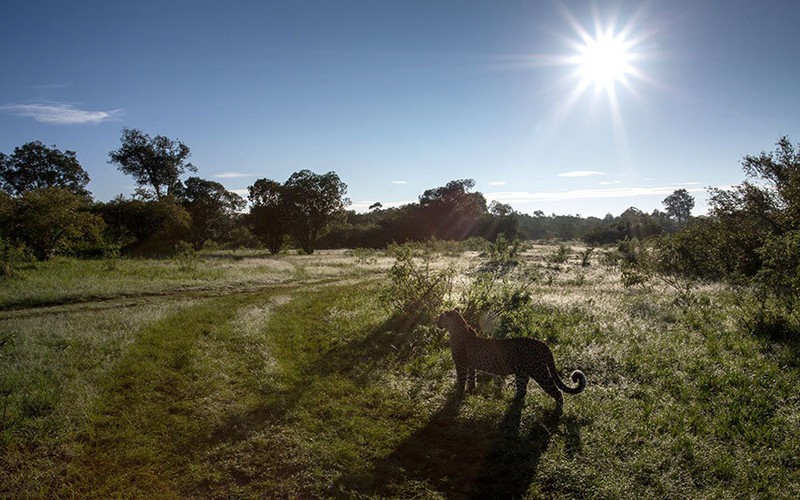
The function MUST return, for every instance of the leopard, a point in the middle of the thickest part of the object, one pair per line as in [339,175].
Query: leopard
[523,357]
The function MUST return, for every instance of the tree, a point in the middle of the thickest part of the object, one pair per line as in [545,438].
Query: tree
[499,209]
[679,206]
[751,239]
[35,166]
[142,227]
[313,203]
[54,220]
[776,197]
[156,164]
[765,206]
[762,225]
[212,208]
[451,212]
[500,220]
[268,218]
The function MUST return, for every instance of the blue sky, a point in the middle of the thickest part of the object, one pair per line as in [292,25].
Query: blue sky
[401,96]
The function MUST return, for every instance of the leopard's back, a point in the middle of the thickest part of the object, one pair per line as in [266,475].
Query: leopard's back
[515,356]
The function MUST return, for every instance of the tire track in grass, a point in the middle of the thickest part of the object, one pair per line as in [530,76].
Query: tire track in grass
[163,400]
[279,445]
[227,399]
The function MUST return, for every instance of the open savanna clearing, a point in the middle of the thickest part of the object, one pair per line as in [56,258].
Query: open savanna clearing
[245,375]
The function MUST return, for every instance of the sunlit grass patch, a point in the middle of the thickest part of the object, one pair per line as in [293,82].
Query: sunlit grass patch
[288,379]
[51,376]
[66,280]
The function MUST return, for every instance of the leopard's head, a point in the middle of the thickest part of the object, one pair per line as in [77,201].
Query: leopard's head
[448,319]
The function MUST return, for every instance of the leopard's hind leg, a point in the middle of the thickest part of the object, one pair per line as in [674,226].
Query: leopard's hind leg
[549,386]
[465,376]
[521,382]
[470,380]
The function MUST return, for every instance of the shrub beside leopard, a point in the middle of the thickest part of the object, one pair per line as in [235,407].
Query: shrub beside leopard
[525,358]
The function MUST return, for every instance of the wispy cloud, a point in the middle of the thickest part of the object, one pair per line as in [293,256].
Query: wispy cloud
[581,173]
[61,114]
[583,194]
[52,86]
[232,175]
[399,182]
[497,183]
[608,183]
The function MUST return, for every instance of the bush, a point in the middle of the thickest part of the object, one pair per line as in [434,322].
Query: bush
[12,258]
[635,263]
[145,228]
[503,256]
[416,291]
[498,294]
[586,256]
[54,221]
[776,289]
[560,255]
[185,256]
[504,305]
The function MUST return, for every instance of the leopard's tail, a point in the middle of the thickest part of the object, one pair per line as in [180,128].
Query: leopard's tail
[577,376]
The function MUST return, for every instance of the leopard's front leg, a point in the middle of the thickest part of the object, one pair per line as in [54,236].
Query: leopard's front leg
[471,380]
[461,377]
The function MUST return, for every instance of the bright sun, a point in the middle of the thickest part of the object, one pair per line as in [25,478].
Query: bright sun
[604,60]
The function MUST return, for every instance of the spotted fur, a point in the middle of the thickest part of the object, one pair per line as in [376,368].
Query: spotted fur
[525,358]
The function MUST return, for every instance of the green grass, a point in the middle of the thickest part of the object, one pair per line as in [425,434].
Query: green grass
[66,280]
[285,378]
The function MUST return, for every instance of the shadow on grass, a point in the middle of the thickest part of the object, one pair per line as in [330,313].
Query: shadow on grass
[357,360]
[456,456]
[463,458]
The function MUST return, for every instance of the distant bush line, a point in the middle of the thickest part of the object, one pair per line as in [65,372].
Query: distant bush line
[750,238]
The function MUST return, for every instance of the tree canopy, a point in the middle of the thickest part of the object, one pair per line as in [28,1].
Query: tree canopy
[156,164]
[267,218]
[313,202]
[35,166]
[145,227]
[212,208]
[53,220]
[679,205]
[306,206]
[451,212]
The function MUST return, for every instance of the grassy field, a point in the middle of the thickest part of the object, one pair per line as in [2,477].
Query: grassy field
[242,375]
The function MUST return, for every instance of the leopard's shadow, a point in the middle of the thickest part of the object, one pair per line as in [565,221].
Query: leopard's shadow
[465,457]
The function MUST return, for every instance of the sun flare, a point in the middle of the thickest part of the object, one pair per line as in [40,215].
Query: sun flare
[604,60]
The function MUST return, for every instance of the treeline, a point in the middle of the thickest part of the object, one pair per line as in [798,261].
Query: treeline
[750,238]
[46,210]
[416,222]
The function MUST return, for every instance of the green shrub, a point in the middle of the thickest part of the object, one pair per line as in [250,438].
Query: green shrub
[185,256]
[416,291]
[560,255]
[502,256]
[365,256]
[506,305]
[635,263]
[586,256]
[499,291]
[775,290]
[12,258]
